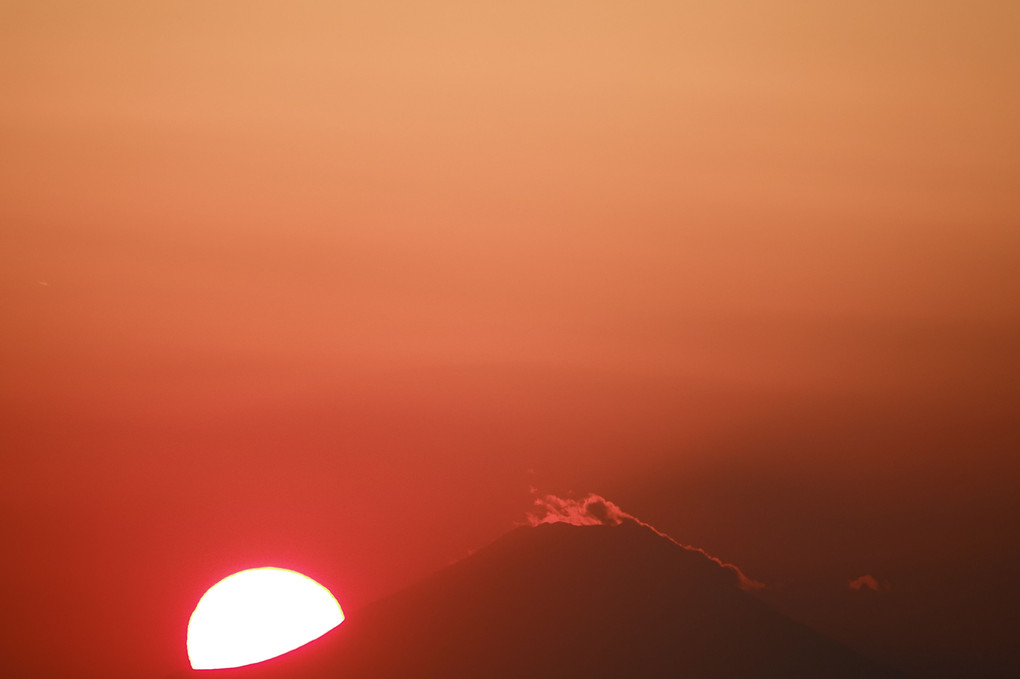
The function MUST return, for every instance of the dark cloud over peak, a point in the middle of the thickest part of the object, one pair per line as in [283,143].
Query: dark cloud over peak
[869,582]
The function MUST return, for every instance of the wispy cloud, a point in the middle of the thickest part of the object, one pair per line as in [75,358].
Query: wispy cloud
[595,510]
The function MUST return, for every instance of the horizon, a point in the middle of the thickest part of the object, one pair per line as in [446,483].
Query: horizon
[549,599]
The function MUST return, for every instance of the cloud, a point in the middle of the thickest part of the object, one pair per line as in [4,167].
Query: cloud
[869,582]
[595,510]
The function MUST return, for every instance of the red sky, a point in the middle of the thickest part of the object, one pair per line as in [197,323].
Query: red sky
[331,285]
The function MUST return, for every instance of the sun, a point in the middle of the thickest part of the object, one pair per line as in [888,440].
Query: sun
[258,614]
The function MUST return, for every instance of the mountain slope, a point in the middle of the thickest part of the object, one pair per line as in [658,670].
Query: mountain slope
[564,601]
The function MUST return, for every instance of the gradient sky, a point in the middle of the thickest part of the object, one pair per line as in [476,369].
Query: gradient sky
[331,285]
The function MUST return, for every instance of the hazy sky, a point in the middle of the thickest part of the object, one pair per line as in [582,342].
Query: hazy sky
[333,284]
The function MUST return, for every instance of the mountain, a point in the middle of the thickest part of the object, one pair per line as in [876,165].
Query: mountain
[571,601]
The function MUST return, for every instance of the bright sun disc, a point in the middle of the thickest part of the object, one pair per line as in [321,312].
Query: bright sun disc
[258,614]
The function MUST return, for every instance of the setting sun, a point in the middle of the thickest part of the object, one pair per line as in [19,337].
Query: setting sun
[258,614]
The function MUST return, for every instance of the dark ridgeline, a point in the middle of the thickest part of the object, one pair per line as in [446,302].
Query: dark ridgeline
[566,601]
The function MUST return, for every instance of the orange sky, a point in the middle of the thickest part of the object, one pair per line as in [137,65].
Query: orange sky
[337,282]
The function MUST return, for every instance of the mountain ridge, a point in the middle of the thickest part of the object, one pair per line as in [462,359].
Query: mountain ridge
[558,600]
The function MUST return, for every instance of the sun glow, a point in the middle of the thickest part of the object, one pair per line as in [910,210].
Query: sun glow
[258,614]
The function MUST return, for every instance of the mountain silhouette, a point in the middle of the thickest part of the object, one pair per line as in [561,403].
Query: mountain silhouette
[570,601]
